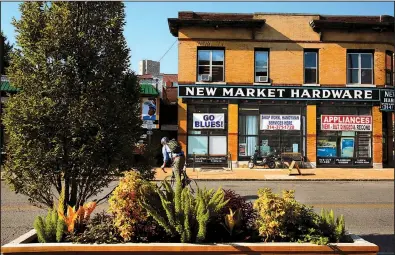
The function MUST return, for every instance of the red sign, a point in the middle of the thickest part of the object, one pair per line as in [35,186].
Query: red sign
[346,122]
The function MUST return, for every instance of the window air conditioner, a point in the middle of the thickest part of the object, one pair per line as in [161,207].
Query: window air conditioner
[262,78]
[205,77]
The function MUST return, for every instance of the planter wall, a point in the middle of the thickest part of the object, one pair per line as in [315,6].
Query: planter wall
[23,245]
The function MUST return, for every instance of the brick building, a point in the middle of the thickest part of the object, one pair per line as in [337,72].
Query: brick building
[321,86]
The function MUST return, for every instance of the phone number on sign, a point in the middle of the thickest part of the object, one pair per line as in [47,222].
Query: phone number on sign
[280,127]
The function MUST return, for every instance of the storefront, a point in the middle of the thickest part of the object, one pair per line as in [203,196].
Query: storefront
[329,127]
[271,128]
[207,133]
[344,135]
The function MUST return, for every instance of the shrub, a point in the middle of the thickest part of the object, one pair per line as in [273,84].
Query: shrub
[334,229]
[51,229]
[132,220]
[183,216]
[243,231]
[100,229]
[284,219]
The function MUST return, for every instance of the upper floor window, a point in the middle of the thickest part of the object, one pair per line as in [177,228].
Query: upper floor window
[359,68]
[389,68]
[261,66]
[310,66]
[211,65]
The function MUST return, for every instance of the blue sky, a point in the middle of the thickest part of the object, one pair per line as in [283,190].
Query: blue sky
[147,31]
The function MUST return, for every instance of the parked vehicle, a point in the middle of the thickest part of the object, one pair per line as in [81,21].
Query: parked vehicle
[269,160]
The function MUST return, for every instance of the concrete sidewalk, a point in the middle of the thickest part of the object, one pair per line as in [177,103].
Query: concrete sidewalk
[264,174]
[317,174]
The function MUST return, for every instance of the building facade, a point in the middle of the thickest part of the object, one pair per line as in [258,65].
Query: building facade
[318,86]
[149,67]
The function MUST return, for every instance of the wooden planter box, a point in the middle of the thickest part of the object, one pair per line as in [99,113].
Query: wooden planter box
[23,245]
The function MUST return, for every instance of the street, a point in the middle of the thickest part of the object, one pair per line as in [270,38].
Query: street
[368,207]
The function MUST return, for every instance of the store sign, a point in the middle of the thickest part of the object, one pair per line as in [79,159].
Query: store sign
[346,122]
[280,122]
[208,121]
[344,161]
[387,100]
[208,159]
[279,93]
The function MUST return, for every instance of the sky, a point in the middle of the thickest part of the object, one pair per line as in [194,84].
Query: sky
[147,31]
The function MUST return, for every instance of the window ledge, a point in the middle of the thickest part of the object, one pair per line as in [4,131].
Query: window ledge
[215,82]
[311,85]
[361,85]
[262,83]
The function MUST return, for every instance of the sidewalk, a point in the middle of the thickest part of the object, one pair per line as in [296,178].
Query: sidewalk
[317,174]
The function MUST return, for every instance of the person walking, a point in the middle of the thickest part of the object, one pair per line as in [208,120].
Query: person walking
[166,153]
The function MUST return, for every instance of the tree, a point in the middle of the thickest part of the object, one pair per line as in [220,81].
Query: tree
[6,50]
[77,119]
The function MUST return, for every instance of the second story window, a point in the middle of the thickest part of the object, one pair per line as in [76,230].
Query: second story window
[211,65]
[310,67]
[360,68]
[389,68]
[261,66]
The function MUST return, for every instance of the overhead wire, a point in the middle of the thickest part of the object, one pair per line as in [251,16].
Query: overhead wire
[168,50]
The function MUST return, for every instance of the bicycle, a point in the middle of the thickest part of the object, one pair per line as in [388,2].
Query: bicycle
[185,181]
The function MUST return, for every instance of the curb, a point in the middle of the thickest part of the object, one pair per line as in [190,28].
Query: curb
[295,180]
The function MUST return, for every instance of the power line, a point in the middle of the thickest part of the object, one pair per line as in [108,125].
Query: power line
[168,50]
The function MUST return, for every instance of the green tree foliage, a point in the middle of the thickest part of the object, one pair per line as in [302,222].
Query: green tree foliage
[6,53]
[77,117]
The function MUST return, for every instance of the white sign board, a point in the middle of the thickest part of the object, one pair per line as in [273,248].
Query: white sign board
[280,122]
[208,121]
[346,122]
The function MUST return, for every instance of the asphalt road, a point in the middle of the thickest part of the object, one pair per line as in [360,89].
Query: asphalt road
[368,207]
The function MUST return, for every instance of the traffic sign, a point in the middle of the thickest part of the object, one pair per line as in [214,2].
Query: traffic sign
[149,132]
[150,126]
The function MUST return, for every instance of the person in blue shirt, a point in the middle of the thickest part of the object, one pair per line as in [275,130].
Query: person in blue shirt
[166,154]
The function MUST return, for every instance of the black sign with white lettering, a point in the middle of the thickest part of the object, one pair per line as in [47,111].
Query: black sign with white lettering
[326,161]
[387,100]
[344,161]
[363,161]
[279,93]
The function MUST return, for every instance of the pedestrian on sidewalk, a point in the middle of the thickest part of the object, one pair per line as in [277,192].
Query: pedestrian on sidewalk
[167,157]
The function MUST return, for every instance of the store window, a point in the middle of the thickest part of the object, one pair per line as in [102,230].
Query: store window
[207,130]
[211,65]
[389,68]
[261,66]
[310,66]
[359,68]
[344,135]
[271,129]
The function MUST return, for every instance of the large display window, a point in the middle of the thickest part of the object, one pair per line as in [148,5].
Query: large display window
[207,133]
[344,136]
[271,128]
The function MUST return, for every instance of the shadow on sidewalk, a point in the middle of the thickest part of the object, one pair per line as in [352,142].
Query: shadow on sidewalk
[385,242]
[306,174]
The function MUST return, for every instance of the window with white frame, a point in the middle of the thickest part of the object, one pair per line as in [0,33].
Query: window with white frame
[359,68]
[311,67]
[211,65]
[261,66]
